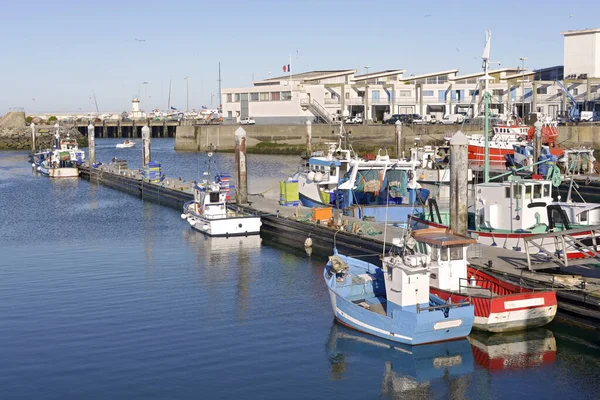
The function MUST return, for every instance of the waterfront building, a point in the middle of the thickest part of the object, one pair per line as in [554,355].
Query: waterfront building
[322,96]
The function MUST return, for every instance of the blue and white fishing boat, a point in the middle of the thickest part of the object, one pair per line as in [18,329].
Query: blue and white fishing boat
[394,302]
[361,187]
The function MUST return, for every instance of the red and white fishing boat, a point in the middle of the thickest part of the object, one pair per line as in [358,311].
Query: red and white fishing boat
[506,136]
[499,306]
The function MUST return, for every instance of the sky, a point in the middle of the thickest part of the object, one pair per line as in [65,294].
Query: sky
[56,55]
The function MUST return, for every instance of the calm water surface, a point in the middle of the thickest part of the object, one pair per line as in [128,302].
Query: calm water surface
[104,296]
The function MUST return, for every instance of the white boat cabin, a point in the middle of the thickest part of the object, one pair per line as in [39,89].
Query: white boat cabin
[447,252]
[406,279]
[514,205]
[210,201]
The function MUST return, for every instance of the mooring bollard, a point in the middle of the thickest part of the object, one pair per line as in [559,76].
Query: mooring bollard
[458,182]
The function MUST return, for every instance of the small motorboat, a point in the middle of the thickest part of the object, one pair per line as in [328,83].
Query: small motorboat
[126,144]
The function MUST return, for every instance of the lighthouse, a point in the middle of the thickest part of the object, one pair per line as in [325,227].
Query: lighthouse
[135,108]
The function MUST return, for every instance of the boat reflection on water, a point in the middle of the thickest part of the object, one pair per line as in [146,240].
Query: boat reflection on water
[407,369]
[221,245]
[519,350]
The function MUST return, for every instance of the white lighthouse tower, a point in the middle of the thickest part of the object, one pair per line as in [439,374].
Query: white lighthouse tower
[135,108]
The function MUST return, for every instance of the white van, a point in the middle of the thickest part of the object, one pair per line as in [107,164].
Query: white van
[452,119]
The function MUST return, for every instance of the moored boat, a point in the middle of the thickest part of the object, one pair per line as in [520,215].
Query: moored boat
[393,301]
[210,214]
[499,306]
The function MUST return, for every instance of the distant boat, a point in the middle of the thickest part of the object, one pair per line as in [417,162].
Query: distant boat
[126,144]
[209,213]
[394,302]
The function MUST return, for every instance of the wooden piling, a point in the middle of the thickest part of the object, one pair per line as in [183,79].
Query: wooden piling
[146,144]
[398,139]
[241,190]
[91,144]
[458,182]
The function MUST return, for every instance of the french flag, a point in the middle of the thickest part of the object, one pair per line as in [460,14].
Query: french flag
[286,68]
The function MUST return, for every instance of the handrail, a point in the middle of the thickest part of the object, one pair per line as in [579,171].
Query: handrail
[447,305]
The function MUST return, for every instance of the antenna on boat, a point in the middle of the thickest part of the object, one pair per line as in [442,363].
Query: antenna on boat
[486,96]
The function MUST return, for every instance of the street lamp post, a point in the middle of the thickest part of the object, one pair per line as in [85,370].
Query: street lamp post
[523,59]
[366,119]
[187,93]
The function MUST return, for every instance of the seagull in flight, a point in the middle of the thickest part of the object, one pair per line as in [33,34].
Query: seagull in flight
[457,49]
[571,15]
[427,15]
[140,40]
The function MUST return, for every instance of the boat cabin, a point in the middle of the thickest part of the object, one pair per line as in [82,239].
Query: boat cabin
[210,200]
[406,279]
[514,205]
[430,157]
[447,252]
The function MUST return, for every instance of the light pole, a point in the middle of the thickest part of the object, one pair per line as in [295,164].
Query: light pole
[523,59]
[145,93]
[212,95]
[187,93]
[366,119]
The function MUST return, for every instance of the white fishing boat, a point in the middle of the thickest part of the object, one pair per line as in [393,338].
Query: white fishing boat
[63,160]
[210,214]
[126,144]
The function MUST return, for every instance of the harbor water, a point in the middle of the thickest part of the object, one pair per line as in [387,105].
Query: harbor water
[103,295]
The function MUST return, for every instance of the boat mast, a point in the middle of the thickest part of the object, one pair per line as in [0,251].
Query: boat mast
[486,97]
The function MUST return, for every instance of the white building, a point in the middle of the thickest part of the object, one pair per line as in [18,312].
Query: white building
[582,54]
[323,95]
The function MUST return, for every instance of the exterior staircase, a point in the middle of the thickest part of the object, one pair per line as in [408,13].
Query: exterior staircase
[317,109]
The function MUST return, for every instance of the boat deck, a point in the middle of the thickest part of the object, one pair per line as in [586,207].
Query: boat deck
[375,304]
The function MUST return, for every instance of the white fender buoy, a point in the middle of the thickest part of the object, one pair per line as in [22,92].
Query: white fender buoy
[308,242]
[311,175]
[33,165]
[183,216]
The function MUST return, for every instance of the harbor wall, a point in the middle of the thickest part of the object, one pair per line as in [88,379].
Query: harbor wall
[199,138]
[363,137]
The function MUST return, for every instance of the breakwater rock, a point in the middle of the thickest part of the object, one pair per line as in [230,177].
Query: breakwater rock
[20,138]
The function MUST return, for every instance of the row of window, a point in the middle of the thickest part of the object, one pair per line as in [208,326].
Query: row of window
[259,96]
[537,191]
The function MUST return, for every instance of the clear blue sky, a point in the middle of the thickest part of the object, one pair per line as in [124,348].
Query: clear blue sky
[55,54]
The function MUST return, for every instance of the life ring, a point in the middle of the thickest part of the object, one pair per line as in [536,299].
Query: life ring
[521,138]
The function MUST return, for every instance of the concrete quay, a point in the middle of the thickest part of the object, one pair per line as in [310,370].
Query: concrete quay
[290,226]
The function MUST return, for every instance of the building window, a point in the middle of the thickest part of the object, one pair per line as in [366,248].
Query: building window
[428,93]
[347,95]
[361,93]
[575,92]
[229,114]
[442,79]
[472,80]
[441,95]
[265,96]
[497,92]
[542,90]
[406,93]
[275,96]
[229,97]
[461,82]
[375,95]
[286,95]
[474,92]
[237,98]
[254,96]
[432,80]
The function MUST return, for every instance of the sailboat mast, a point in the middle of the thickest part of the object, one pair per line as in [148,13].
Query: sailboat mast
[220,101]
[95,101]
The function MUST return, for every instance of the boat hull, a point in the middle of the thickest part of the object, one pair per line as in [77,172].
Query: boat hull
[230,226]
[511,309]
[510,241]
[60,172]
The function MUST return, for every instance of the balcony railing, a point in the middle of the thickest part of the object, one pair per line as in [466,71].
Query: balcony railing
[335,100]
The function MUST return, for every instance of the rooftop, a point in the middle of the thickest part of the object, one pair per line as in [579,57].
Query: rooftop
[429,75]
[379,74]
[307,76]
[581,32]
